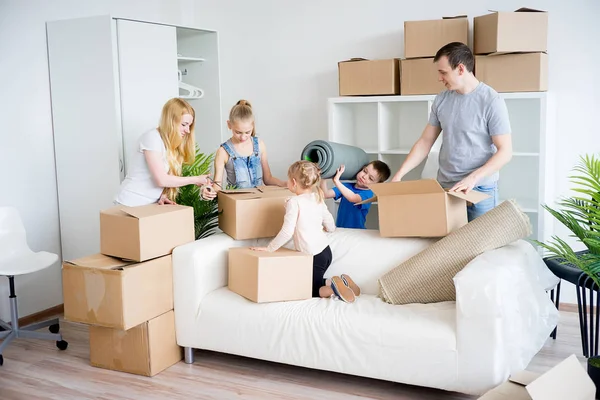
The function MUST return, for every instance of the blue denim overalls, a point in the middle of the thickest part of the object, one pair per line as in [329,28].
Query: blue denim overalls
[248,170]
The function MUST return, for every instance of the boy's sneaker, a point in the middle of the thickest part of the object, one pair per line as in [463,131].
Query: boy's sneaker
[351,284]
[341,290]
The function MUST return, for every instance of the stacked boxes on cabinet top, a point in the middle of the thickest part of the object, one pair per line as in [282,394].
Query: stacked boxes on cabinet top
[510,50]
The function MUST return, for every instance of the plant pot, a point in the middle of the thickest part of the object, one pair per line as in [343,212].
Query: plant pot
[593,367]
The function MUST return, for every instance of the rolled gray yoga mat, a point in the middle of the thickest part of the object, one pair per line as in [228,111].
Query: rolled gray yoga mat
[330,155]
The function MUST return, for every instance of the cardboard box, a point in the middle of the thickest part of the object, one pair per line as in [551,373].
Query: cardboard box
[106,291]
[425,38]
[146,349]
[263,277]
[252,213]
[368,77]
[526,72]
[145,232]
[524,30]
[568,380]
[419,76]
[420,208]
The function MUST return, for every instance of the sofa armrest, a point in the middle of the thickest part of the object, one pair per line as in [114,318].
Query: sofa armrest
[198,268]
[503,313]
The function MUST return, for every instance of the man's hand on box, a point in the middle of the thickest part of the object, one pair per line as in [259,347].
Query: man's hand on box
[466,185]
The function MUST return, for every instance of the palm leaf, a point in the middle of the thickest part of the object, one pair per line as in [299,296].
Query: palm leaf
[580,214]
[205,212]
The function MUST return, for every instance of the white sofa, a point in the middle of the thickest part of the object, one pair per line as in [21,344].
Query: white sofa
[501,318]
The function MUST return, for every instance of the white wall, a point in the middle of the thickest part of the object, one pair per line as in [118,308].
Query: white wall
[282,56]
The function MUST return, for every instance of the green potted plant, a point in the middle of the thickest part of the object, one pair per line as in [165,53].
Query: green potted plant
[580,213]
[206,212]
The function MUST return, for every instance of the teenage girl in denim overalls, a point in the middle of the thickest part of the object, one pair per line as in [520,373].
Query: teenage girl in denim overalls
[243,157]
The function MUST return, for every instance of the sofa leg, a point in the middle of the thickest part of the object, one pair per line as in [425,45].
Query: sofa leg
[189,355]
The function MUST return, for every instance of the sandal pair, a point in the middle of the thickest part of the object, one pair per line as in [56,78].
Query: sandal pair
[345,288]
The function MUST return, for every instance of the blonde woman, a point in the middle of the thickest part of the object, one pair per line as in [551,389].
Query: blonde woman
[243,158]
[154,173]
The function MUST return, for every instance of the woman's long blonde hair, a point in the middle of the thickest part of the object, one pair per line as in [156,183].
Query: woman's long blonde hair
[307,176]
[179,150]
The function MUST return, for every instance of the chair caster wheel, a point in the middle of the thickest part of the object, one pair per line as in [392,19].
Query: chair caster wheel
[1,360]
[61,344]
[54,328]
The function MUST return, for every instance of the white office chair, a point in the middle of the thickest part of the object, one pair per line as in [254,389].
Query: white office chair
[16,258]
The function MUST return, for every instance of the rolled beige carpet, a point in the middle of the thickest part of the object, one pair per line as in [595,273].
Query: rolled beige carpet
[427,276]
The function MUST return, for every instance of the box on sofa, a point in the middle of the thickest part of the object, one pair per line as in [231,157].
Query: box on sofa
[263,276]
[420,208]
[252,213]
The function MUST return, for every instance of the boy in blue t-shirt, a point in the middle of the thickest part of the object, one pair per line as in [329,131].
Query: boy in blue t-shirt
[350,215]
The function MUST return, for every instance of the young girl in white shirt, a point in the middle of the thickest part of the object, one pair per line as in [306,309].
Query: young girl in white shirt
[154,171]
[305,216]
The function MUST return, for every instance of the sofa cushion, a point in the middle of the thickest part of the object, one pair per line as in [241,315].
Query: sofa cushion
[428,276]
[365,255]
[418,341]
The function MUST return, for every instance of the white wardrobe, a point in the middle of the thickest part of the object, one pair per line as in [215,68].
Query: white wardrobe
[109,78]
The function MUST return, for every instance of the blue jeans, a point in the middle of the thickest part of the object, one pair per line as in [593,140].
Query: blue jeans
[476,210]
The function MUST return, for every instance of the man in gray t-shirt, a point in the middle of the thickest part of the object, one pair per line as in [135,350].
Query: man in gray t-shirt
[477,136]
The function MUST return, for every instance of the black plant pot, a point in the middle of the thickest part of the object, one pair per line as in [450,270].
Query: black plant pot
[593,367]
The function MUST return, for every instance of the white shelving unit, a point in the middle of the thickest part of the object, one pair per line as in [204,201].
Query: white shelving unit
[386,127]
[109,79]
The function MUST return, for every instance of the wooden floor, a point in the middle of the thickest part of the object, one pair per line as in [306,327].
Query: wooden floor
[38,370]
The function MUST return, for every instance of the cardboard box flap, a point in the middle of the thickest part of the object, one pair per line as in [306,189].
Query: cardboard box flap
[264,189]
[100,261]
[150,210]
[370,200]
[473,196]
[354,59]
[522,9]
[239,191]
[523,378]
[455,17]
[527,9]
[422,186]
[567,380]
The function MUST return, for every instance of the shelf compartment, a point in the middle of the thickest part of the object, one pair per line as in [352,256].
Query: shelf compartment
[525,129]
[401,124]
[355,124]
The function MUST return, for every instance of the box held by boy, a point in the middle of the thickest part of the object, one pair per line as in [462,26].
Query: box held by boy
[420,208]
[145,232]
[106,291]
[262,276]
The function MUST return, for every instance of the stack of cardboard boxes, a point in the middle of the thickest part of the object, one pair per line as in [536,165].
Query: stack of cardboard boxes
[422,39]
[522,33]
[510,49]
[258,276]
[125,293]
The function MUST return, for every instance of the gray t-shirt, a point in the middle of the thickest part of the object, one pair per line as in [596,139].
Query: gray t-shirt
[468,122]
